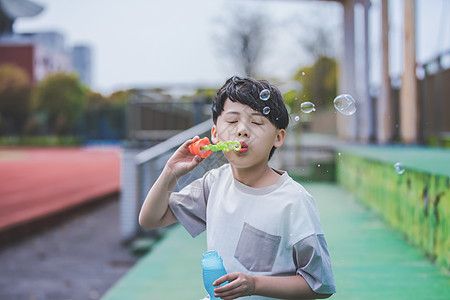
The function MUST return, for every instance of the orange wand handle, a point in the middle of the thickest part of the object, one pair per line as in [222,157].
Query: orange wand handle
[196,148]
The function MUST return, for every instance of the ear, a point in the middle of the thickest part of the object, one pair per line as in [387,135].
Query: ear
[214,138]
[279,138]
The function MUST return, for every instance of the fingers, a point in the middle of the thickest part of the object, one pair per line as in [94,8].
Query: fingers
[190,141]
[231,285]
[186,144]
[239,285]
[232,294]
[197,160]
[194,163]
[227,277]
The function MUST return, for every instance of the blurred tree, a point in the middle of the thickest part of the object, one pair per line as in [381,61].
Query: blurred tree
[62,98]
[319,81]
[317,32]
[104,116]
[291,99]
[318,38]
[94,99]
[15,93]
[97,101]
[205,93]
[119,98]
[319,84]
[243,39]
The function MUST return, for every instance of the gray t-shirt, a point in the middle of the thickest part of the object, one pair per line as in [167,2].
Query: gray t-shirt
[273,230]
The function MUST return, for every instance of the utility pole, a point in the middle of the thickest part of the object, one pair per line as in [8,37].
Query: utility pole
[408,90]
[384,105]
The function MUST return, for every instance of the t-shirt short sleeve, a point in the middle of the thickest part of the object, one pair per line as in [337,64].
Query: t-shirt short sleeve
[313,263]
[189,205]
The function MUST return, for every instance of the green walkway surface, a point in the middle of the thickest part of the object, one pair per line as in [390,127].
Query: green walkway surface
[370,260]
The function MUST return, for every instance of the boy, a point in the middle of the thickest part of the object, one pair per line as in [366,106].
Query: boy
[262,223]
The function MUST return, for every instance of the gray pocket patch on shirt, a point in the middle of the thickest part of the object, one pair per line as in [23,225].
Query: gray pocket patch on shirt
[256,249]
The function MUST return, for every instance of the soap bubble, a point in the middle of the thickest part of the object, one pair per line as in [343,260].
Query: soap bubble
[307,107]
[264,95]
[303,73]
[399,168]
[297,118]
[266,110]
[345,104]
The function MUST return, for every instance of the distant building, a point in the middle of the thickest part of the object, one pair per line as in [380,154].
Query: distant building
[39,53]
[81,63]
[44,53]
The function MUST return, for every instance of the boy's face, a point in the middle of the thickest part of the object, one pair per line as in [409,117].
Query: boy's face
[257,135]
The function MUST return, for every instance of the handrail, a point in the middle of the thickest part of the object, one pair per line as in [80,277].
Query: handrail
[176,140]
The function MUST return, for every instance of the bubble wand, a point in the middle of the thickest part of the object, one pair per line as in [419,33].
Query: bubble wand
[203,147]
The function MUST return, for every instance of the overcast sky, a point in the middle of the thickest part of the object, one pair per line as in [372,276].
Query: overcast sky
[142,43]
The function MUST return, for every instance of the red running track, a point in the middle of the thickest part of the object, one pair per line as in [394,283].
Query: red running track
[38,183]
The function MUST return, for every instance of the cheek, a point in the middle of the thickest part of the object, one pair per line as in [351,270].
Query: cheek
[227,132]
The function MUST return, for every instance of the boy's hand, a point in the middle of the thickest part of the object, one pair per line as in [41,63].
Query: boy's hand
[239,285]
[183,161]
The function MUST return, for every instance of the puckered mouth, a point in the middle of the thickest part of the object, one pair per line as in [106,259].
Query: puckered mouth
[244,147]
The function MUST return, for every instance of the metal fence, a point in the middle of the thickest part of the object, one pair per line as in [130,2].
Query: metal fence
[140,169]
[434,100]
[155,117]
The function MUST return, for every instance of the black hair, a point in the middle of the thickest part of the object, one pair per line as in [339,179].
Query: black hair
[247,91]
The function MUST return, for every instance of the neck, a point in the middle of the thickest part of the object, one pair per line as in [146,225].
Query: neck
[257,176]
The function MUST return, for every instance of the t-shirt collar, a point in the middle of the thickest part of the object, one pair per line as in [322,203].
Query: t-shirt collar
[261,191]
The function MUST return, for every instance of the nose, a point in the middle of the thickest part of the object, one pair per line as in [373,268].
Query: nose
[243,132]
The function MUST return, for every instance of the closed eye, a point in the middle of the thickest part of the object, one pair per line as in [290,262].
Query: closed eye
[256,123]
[231,122]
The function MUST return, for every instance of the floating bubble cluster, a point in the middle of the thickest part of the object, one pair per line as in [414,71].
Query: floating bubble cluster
[399,168]
[307,107]
[264,95]
[345,104]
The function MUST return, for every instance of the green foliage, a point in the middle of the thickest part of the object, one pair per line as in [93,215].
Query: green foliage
[205,94]
[319,81]
[119,98]
[291,99]
[62,98]
[15,90]
[96,100]
[40,141]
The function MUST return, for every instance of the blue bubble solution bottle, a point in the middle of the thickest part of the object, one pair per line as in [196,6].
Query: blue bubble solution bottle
[213,268]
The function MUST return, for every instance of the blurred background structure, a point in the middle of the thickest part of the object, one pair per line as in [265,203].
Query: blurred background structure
[146,85]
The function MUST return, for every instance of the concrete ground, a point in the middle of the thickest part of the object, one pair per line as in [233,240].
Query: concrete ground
[78,258]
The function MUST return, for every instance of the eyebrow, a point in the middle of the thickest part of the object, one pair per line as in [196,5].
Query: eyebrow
[238,113]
